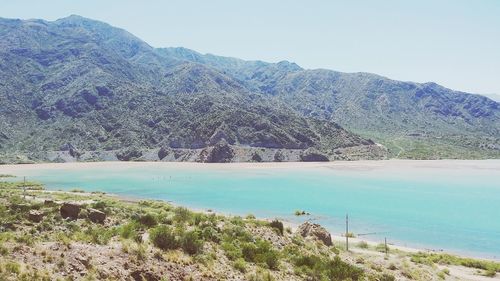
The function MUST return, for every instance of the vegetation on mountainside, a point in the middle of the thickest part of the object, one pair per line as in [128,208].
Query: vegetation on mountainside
[81,89]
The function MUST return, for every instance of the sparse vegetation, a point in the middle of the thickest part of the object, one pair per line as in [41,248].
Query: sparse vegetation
[255,249]
[429,259]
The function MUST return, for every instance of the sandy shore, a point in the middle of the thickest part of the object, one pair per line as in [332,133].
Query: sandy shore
[394,165]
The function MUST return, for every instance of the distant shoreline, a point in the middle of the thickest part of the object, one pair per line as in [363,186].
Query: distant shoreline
[355,165]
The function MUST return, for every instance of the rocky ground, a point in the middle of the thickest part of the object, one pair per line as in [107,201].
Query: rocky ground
[82,236]
[221,153]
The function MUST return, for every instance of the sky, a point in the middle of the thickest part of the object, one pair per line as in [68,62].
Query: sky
[455,43]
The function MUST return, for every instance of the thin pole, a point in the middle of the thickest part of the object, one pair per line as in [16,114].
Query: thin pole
[347,232]
[385,242]
[24,188]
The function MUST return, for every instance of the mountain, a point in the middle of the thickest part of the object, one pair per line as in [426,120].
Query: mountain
[76,89]
[413,120]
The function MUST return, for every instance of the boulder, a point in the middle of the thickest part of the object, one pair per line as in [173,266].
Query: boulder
[70,210]
[315,231]
[96,216]
[35,216]
[144,275]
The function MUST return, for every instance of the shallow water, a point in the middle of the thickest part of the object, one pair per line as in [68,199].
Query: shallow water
[449,208]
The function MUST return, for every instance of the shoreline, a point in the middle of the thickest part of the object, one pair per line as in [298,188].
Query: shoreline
[336,239]
[354,165]
[361,165]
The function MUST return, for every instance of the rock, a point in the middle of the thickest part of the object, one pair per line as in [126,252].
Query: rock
[70,210]
[35,216]
[163,152]
[314,157]
[144,275]
[131,153]
[316,231]
[222,153]
[279,157]
[256,157]
[96,216]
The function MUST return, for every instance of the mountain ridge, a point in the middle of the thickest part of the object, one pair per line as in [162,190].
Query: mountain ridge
[105,93]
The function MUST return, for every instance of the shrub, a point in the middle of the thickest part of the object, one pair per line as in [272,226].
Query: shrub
[182,215]
[425,258]
[148,220]
[318,268]
[99,205]
[13,267]
[276,224]
[387,277]
[363,245]
[163,237]
[128,231]
[336,269]
[240,265]
[191,243]
[99,235]
[232,251]
[209,233]
[381,247]
[250,217]
[300,212]
[260,252]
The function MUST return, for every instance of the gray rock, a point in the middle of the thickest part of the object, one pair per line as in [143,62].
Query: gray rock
[315,231]
[70,210]
[96,216]
[35,216]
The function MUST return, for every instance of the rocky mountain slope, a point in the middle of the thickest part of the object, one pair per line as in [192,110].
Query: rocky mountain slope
[428,119]
[79,89]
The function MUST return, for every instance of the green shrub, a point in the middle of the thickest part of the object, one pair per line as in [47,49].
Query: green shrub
[260,252]
[98,235]
[13,267]
[182,215]
[381,247]
[129,230]
[232,251]
[163,237]
[250,217]
[300,212]
[99,205]
[336,269]
[191,243]
[387,277]
[210,233]
[318,268]
[490,273]
[425,258]
[148,220]
[240,265]
[276,224]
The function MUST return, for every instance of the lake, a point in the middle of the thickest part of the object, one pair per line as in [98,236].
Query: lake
[448,205]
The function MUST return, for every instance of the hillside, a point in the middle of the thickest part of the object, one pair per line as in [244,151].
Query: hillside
[413,120]
[75,235]
[76,89]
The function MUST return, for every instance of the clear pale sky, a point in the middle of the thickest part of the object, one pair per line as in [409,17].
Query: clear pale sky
[455,43]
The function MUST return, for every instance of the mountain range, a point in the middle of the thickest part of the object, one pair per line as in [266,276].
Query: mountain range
[77,89]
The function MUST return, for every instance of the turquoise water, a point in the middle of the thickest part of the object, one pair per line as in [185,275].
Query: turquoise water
[449,209]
